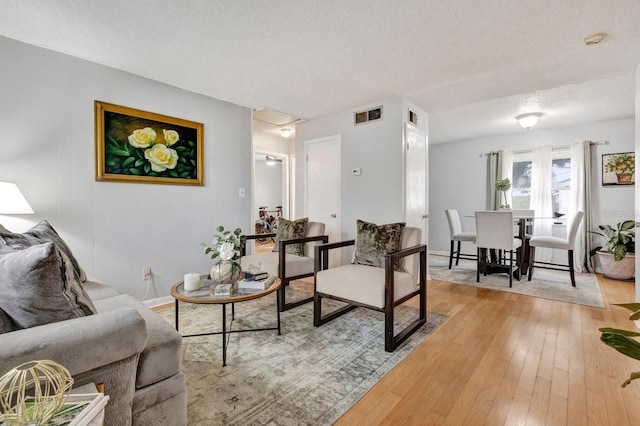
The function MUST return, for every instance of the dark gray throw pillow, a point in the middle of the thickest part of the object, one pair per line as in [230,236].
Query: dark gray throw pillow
[6,323]
[38,286]
[288,230]
[373,242]
[43,232]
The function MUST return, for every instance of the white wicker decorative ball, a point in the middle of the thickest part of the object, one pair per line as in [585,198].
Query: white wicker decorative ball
[33,392]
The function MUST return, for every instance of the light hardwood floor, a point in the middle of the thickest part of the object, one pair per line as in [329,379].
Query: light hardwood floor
[507,359]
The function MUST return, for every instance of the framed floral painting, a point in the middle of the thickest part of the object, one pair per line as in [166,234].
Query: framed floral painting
[618,169]
[139,146]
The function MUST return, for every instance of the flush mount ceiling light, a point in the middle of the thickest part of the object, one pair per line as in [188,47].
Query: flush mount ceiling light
[285,132]
[595,39]
[271,160]
[528,120]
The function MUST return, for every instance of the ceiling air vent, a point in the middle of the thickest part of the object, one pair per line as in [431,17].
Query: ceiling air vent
[362,117]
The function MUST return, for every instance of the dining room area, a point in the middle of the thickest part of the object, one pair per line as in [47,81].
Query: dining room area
[557,192]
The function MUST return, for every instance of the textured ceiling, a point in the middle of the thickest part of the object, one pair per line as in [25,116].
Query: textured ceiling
[472,65]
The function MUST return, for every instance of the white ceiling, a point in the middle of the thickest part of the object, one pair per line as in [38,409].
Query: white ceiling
[472,65]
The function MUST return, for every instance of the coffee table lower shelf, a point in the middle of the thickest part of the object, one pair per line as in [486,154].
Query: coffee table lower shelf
[204,297]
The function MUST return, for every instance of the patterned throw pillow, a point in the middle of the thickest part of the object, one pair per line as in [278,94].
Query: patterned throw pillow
[288,230]
[373,242]
[38,286]
[42,233]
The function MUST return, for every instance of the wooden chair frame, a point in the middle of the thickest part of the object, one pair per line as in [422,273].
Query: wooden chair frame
[391,340]
[282,266]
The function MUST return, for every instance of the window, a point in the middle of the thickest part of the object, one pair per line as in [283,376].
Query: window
[521,181]
[560,178]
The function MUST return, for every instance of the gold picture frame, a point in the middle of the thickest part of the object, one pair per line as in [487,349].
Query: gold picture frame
[144,147]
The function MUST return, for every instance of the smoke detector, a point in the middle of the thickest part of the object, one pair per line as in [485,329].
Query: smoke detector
[595,39]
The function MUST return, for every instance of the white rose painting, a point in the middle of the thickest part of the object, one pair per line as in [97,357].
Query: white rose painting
[139,146]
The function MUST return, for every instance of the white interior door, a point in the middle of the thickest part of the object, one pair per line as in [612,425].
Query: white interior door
[322,187]
[416,197]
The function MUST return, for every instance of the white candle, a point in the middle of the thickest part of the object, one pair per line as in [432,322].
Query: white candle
[192,281]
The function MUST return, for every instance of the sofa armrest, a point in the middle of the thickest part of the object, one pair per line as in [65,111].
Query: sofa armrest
[80,344]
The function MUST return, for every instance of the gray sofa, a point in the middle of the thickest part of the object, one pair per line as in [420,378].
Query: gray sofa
[135,353]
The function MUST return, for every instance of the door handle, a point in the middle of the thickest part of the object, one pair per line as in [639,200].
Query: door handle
[425,216]
[333,215]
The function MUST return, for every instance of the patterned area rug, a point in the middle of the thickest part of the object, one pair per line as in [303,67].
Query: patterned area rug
[306,376]
[546,283]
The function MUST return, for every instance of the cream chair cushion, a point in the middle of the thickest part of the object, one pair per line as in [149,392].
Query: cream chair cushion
[363,284]
[296,265]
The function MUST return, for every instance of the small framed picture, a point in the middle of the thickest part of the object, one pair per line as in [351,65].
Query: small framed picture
[618,169]
[140,146]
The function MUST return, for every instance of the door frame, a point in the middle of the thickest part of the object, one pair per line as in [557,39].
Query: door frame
[286,184]
[409,126]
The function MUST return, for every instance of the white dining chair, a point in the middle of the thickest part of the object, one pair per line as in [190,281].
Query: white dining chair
[557,243]
[494,231]
[458,236]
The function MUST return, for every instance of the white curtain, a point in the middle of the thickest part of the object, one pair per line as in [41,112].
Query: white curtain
[507,172]
[581,201]
[541,186]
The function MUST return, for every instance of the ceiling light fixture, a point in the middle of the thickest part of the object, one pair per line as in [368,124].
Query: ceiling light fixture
[595,39]
[271,160]
[528,120]
[285,132]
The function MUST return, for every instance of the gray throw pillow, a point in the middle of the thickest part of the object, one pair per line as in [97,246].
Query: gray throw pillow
[373,242]
[288,230]
[38,286]
[43,232]
[6,323]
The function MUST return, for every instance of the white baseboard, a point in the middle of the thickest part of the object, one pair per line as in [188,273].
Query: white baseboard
[151,303]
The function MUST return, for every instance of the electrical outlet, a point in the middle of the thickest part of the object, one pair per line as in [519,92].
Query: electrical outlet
[146,273]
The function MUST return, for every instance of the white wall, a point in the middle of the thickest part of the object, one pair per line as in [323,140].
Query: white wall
[268,184]
[376,148]
[116,229]
[457,173]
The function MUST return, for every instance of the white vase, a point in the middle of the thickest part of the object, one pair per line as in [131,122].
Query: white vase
[226,272]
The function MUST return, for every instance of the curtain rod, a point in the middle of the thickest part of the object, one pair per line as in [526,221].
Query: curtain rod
[524,151]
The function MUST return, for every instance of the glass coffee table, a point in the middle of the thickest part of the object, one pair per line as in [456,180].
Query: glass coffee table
[205,295]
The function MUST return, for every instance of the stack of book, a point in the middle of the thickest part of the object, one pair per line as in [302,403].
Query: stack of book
[248,276]
[255,285]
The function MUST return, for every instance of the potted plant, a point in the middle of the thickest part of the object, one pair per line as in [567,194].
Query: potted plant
[502,186]
[617,257]
[621,340]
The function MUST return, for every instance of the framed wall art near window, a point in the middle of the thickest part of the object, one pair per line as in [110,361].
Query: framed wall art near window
[139,146]
[618,169]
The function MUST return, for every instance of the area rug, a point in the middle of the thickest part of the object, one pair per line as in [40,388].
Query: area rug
[546,283]
[306,376]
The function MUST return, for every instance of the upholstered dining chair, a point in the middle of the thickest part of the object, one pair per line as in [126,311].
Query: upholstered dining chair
[381,287]
[557,243]
[458,236]
[494,231]
[292,259]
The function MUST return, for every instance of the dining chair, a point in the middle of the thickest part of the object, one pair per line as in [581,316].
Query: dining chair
[458,236]
[556,243]
[494,231]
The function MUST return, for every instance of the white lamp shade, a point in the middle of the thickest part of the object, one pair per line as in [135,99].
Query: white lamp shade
[529,120]
[12,201]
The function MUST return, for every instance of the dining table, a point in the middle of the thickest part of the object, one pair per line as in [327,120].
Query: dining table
[524,230]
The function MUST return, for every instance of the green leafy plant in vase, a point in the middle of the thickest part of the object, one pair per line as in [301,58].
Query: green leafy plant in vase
[502,186]
[621,340]
[617,257]
[226,247]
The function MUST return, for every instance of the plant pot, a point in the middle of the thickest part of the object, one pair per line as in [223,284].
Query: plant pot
[623,269]
[624,178]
